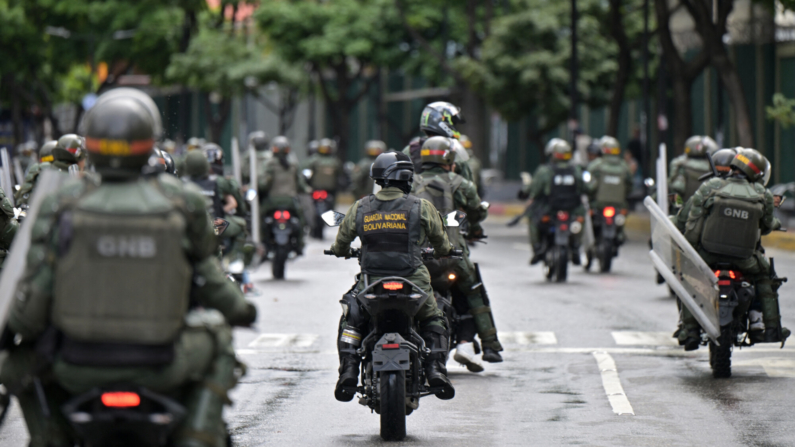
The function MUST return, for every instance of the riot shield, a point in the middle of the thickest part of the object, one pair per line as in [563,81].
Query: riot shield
[236,172]
[588,237]
[684,270]
[8,185]
[252,164]
[49,181]
[662,179]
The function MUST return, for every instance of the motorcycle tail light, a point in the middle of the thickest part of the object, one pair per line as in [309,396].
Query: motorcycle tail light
[732,274]
[724,282]
[717,273]
[121,399]
[563,215]
[390,346]
[320,195]
[393,285]
[564,227]
[609,211]
[545,219]
[277,215]
[285,215]
[451,276]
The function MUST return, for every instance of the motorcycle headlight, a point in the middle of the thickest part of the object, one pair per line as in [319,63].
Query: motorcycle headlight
[621,220]
[236,267]
[575,227]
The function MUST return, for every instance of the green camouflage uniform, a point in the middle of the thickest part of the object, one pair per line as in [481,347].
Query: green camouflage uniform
[203,368]
[237,230]
[539,190]
[433,231]
[363,185]
[755,267]
[8,226]
[683,180]
[465,197]
[26,190]
[279,187]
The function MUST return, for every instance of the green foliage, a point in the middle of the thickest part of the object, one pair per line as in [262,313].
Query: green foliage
[78,82]
[782,110]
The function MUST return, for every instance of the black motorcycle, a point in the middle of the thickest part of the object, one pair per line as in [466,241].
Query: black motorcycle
[556,243]
[607,222]
[281,229]
[737,296]
[323,201]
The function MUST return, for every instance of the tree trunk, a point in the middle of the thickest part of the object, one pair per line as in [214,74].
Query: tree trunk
[734,89]
[216,121]
[624,66]
[473,108]
[682,113]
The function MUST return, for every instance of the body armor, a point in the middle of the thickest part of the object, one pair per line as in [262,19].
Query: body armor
[123,277]
[563,194]
[612,188]
[209,189]
[324,173]
[692,170]
[731,226]
[390,235]
[439,190]
[284,182]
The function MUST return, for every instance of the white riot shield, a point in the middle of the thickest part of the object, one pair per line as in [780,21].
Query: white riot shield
[8,185]
[236,169]
[684,270]
[662,179]
[588,237]
[18,172]
[49,181]
[252,163]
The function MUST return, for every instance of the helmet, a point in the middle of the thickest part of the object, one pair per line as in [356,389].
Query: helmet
[751,163]
[168,146]
[70,148]
[144,99]
[699,146]
[438,150]
[214,154]
[311,147]
[710,144]
[465,141]
[45,153]
[280,145]
[594,148]
[461,154]
[440,118]
[119,135]
[559,149]
[765,165]
[722,160]
[327,146]
[374,148]
[610,146]
[196,164]
[392,166]
[194,143]
[258,139]
[157,162]
[27,149]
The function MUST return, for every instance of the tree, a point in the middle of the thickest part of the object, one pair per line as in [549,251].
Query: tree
[342,44]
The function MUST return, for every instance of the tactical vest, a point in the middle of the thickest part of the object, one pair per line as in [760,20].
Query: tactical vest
[563,194]
[209,189]
[612,187]
[121,278]
[390,235]
[284,182]
[324,173]
[731,227]
[439,190]
[692,170]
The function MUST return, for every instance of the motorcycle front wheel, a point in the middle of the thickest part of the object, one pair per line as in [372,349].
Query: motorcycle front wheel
[393,405]
[720,357]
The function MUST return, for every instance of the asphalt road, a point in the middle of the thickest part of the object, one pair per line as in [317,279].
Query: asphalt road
[576,355]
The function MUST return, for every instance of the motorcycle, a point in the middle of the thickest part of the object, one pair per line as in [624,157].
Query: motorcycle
[556,243]
[393,353]
[736,296]
[607,222]
[281,228]
[323,201]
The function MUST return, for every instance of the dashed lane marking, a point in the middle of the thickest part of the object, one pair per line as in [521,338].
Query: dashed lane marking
[283,341]
[612,384]
[528,338]
[635,338]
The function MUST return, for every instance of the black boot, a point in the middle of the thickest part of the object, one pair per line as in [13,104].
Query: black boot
[435,371]
[491,355]
[349,377]
[538,255]
[692,340]
[776,334]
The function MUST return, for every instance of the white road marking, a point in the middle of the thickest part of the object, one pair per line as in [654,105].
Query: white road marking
[528,338]
[283,341]
[518,246]
[635,338]
[773,366]
[612,384]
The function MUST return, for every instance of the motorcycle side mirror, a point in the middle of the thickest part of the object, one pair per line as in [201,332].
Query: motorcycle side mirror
[332,218]
[485,205]
[526,177]
[649,182]
[586,176]
[251,194]
[307,173]
[220,225]
[455,218]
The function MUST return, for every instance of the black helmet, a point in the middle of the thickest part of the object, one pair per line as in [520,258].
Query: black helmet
[258,139]
[145,100]
[119,136]
[280,145]
[70,148]
[723,159]
[395,166]
[45,153]
[440,118]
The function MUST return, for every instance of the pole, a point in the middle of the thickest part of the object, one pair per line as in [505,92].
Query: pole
[644,115]
[719,133]
[252,163]
[573,115]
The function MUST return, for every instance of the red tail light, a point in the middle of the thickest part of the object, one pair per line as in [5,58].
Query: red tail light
[717,273]
[563,215]
[281,215]
[320,195]
[121,399]
[564,227]
[285,215]
[277,215]
[390,346]
[731,274]
[609,211]
[393,285]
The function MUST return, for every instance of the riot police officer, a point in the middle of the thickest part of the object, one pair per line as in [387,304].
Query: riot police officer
[114,289]
[69,151]
[281,183]
[611,181]
[684,176]
[361,181]
[730,238]
[394,172]
[556,186]
[8,226]
[218,201]
[261,143]
[475,165]
[22,196]
[448,192]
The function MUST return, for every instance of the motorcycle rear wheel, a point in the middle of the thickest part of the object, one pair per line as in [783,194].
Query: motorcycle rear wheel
[562,261]
[720,357]
[393,405]
[279,261]
[605,257]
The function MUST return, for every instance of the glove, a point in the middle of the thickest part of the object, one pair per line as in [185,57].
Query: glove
[245,318]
